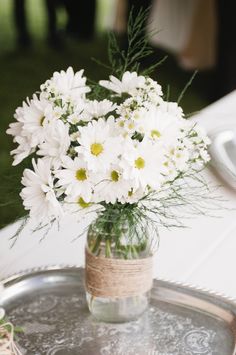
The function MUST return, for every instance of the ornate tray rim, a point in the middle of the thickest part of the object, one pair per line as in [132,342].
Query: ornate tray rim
[223,308]
[12,278]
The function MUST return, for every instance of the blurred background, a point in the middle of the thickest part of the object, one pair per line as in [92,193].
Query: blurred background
[38,37]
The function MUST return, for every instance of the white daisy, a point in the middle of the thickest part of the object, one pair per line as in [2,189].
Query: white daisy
[67,84]
[38,194]
[144,164]
[112,186]
[75,178]
[98,147]
[198,135]
[196,143]
[170,171]
[81,209]
[23,150]
[56,144]
[129,82]
[152,86]
[150,92]
[35,116]
[159,125]
[134,195]
[74,203]
[77,113]
[131,108]
[172,108]
[180,158]
[97,109]
[15,130]
[74,118]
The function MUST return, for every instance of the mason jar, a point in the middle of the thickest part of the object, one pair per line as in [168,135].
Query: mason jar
[118,272]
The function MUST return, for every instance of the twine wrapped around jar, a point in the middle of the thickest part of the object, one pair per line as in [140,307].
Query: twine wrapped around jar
[107,277]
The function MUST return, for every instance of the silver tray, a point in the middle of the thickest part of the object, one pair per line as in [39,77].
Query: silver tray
[50,306]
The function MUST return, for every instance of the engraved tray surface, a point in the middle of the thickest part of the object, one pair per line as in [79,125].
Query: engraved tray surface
[50,306]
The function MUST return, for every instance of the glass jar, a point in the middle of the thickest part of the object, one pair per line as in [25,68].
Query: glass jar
[118,270]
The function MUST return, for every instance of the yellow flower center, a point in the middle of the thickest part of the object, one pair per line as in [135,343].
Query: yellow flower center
[139,163]
[155,133]
[96,149]
[114,176]
[81,175]
[131,126]
[130,193]
[41,120]
[121,123]
[82,203]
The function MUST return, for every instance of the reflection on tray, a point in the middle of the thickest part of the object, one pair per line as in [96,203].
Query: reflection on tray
[50,306]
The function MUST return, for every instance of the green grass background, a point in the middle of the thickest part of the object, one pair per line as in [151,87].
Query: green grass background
[22,72]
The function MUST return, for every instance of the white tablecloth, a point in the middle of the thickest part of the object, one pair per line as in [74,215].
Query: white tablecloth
[202,255]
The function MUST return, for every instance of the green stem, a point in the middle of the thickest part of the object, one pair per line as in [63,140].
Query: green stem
[108,249]
[134,252]
[96,245]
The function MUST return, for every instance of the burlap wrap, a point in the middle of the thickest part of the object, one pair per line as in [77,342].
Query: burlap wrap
[105,277]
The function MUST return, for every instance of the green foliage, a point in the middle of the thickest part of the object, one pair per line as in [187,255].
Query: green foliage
[138,47]
[124,231]
[23,72]
[189,83]
[132,221]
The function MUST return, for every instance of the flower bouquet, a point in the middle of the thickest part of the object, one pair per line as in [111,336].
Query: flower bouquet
[120,149]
